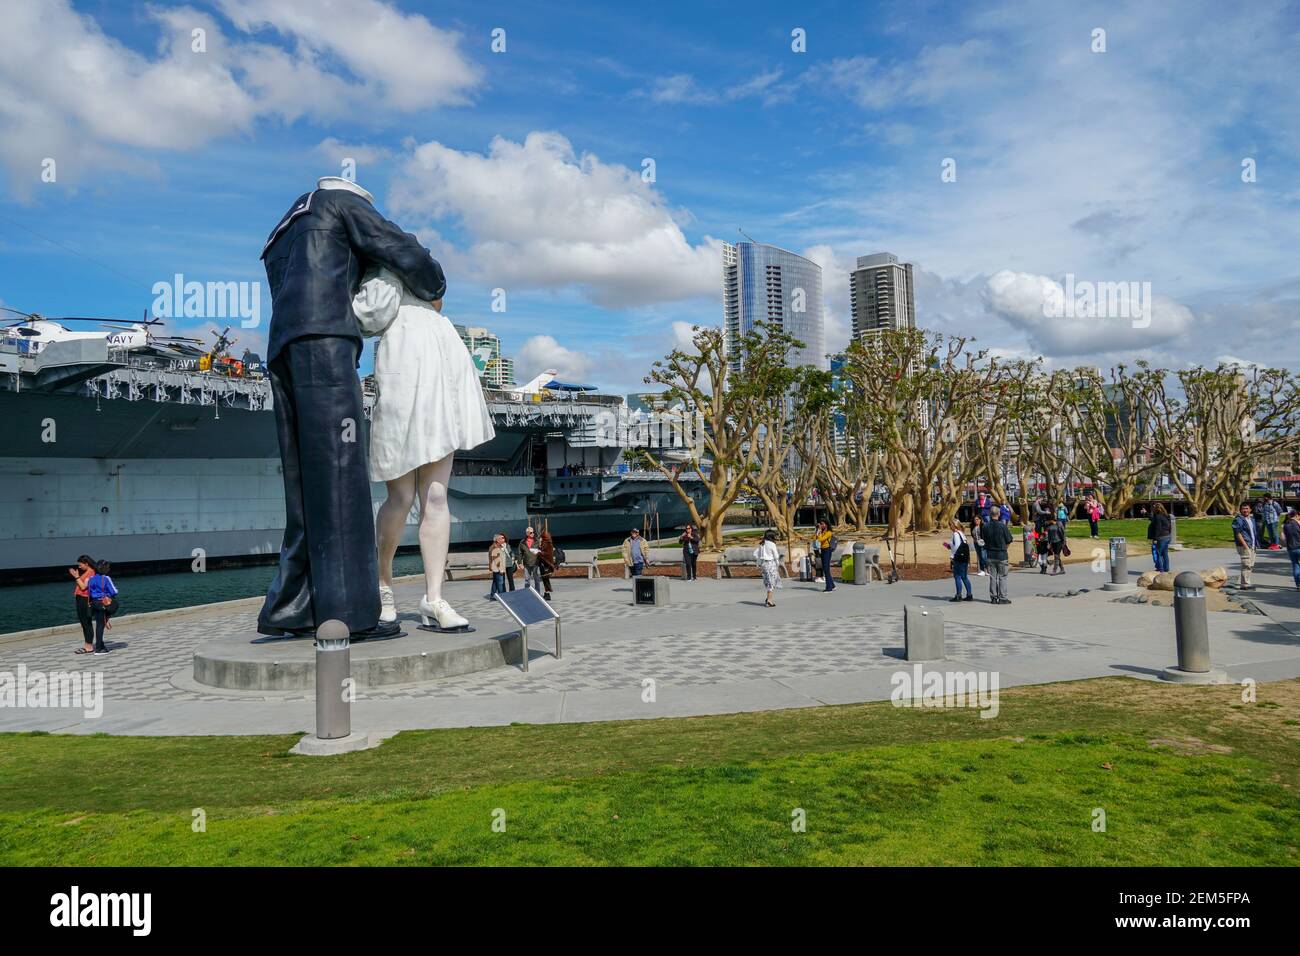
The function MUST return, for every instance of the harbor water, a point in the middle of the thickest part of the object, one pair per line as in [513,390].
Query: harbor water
[27,606]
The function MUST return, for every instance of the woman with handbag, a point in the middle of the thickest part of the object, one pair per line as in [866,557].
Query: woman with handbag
[768,558]
[690,551]
[103,602]
[960,560]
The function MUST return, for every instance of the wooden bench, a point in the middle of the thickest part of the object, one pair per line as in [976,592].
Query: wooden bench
[465,562]
[479,565]
[659,558]
[743,557]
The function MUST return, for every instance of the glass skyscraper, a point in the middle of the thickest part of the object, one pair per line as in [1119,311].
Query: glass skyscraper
[762,283]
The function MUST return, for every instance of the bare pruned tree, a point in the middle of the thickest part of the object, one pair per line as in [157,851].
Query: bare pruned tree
[732,406]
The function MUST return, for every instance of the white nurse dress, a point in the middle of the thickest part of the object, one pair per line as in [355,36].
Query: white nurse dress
[429,402]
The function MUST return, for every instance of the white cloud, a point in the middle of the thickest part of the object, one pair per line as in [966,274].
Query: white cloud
[1101,165]
[682,88]
[365,156]
[70,92]
[402,62]
[536,215]
[683,335]
[835,295]
[1028,303]
[542,352]
[935,72]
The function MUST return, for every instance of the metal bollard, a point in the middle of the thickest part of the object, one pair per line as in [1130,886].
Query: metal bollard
[1192,633]
[1173,533]
[1119,567]
[333,667]
[859,563]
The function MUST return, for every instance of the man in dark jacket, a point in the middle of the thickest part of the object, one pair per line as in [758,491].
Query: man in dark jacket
[997,539]
[314,260]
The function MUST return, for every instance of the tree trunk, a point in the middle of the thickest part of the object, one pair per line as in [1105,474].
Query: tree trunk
[711,525]
[923,512]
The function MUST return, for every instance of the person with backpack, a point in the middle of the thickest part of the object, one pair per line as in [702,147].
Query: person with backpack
[1055,535]
[103,602]
[960,561]
[81,574]
[827,541]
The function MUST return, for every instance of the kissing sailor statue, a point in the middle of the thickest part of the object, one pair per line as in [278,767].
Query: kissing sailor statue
[315,258]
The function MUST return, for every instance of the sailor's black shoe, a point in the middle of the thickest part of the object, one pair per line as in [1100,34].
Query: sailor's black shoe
[382,629]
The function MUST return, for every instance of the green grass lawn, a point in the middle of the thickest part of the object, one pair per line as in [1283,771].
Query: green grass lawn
[1213,532]
[1185,776]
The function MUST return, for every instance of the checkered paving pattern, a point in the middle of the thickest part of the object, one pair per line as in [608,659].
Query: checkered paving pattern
[144,655]
[728,656]
[148,654]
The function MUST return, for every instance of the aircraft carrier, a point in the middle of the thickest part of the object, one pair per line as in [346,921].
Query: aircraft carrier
[143,459]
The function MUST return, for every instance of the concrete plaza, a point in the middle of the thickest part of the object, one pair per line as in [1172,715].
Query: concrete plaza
[714,649]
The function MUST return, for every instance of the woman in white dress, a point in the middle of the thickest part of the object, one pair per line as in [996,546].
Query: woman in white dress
[768,557]
[429,404]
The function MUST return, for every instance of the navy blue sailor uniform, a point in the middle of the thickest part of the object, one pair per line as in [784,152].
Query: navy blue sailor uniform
[315,258]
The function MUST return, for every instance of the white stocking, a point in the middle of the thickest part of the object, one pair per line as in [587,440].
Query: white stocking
[435,523]
[391,521]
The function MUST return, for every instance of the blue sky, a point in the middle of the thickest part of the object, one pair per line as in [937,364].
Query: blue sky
[522,170]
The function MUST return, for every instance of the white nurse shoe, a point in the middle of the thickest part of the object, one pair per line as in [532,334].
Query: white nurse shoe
[387,605]
[442,615]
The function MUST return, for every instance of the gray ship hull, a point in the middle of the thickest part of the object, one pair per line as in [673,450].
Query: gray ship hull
[162,483]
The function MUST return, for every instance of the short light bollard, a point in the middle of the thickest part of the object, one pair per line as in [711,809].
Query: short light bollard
[333,667]
[1192,633]
[922,633]
[1119,567]
[859,563]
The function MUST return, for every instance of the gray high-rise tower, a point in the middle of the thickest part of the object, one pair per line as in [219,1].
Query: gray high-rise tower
[881,294]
